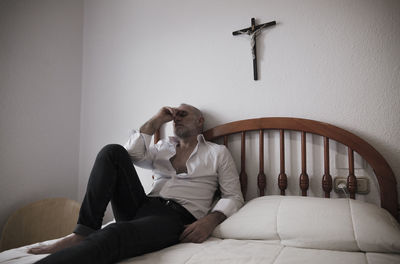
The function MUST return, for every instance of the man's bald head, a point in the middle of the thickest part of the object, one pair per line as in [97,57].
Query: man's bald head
[195,110]
[191,113]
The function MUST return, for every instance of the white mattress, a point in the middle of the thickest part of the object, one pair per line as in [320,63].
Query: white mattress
[231,251]
[279,230]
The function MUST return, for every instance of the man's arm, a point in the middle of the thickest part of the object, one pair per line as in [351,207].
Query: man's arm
[229,185]
[231,200]
[165,115]
[139,141]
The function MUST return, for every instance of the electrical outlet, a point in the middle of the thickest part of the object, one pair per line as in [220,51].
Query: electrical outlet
[337,181]
[362,184]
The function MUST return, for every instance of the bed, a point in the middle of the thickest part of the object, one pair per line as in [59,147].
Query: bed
[279,227]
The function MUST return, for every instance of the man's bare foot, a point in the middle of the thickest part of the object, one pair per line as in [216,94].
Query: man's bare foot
[68,241]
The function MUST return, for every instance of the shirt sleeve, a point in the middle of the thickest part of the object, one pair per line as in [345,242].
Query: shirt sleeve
[138,147]
[228,178]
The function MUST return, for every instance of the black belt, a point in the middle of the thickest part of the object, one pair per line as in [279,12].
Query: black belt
[178,208]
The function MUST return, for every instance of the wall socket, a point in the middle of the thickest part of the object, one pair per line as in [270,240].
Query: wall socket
[362,184]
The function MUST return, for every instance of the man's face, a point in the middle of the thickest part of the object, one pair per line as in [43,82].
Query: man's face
[186,122]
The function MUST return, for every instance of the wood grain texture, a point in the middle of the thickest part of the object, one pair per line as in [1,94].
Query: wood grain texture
[42,220]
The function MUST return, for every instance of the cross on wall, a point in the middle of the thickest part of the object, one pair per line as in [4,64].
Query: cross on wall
[253,31]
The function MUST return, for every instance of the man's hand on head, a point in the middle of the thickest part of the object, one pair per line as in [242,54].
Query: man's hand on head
[200,230]
[164,115]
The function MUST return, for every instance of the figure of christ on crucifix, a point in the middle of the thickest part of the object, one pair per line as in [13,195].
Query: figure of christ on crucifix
[253,31]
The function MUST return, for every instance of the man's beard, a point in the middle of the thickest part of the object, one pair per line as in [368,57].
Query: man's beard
[183,132]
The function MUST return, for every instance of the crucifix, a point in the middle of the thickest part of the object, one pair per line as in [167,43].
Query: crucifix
[253,31]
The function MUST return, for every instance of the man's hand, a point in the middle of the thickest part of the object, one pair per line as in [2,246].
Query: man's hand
[199,231]
[166,114]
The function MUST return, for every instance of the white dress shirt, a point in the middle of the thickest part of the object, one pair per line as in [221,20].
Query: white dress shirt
[210,166]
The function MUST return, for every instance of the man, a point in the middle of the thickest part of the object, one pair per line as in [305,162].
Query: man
[187,172]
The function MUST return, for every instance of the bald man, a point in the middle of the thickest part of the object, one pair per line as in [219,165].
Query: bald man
[187,171]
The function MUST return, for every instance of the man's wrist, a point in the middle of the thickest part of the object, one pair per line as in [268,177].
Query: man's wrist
[151,126]
[217,217]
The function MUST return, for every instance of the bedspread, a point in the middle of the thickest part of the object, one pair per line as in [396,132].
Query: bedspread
[216,250]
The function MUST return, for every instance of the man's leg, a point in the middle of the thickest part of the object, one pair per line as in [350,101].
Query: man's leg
[157,226]
[114,178]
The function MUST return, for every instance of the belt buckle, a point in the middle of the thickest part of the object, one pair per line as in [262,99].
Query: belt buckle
[172,205]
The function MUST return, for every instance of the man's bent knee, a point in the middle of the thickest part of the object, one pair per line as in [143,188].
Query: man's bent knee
[113,149]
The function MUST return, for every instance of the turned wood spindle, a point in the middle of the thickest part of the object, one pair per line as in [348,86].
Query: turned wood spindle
[243,175]
[304,182]
[327,178]
[261,179]
[282,178]
[351,179]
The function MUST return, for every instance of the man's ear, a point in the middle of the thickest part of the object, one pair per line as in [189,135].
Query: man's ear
[201,122]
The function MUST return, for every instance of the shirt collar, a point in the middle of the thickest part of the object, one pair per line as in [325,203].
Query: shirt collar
[200,139]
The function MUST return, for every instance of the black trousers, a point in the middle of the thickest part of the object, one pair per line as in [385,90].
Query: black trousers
[143,224]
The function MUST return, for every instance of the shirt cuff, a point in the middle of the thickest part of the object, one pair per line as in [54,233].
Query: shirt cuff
[136,136]
[226,206]
[137,145]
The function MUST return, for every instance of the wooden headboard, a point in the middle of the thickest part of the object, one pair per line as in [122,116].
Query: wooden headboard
[383,172]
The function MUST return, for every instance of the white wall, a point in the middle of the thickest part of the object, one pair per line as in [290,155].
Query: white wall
[333,61]
[40,90]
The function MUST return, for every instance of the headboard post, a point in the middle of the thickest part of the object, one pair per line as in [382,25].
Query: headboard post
[243,175]
[261,178]
[282,178]
[304,182]
[351,179]
[327,178]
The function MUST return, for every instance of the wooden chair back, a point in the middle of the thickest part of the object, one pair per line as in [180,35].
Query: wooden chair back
[42,220]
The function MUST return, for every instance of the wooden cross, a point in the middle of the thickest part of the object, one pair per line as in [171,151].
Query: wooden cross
[253,32]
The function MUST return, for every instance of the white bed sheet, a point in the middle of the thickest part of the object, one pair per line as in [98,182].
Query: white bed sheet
[231,251]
